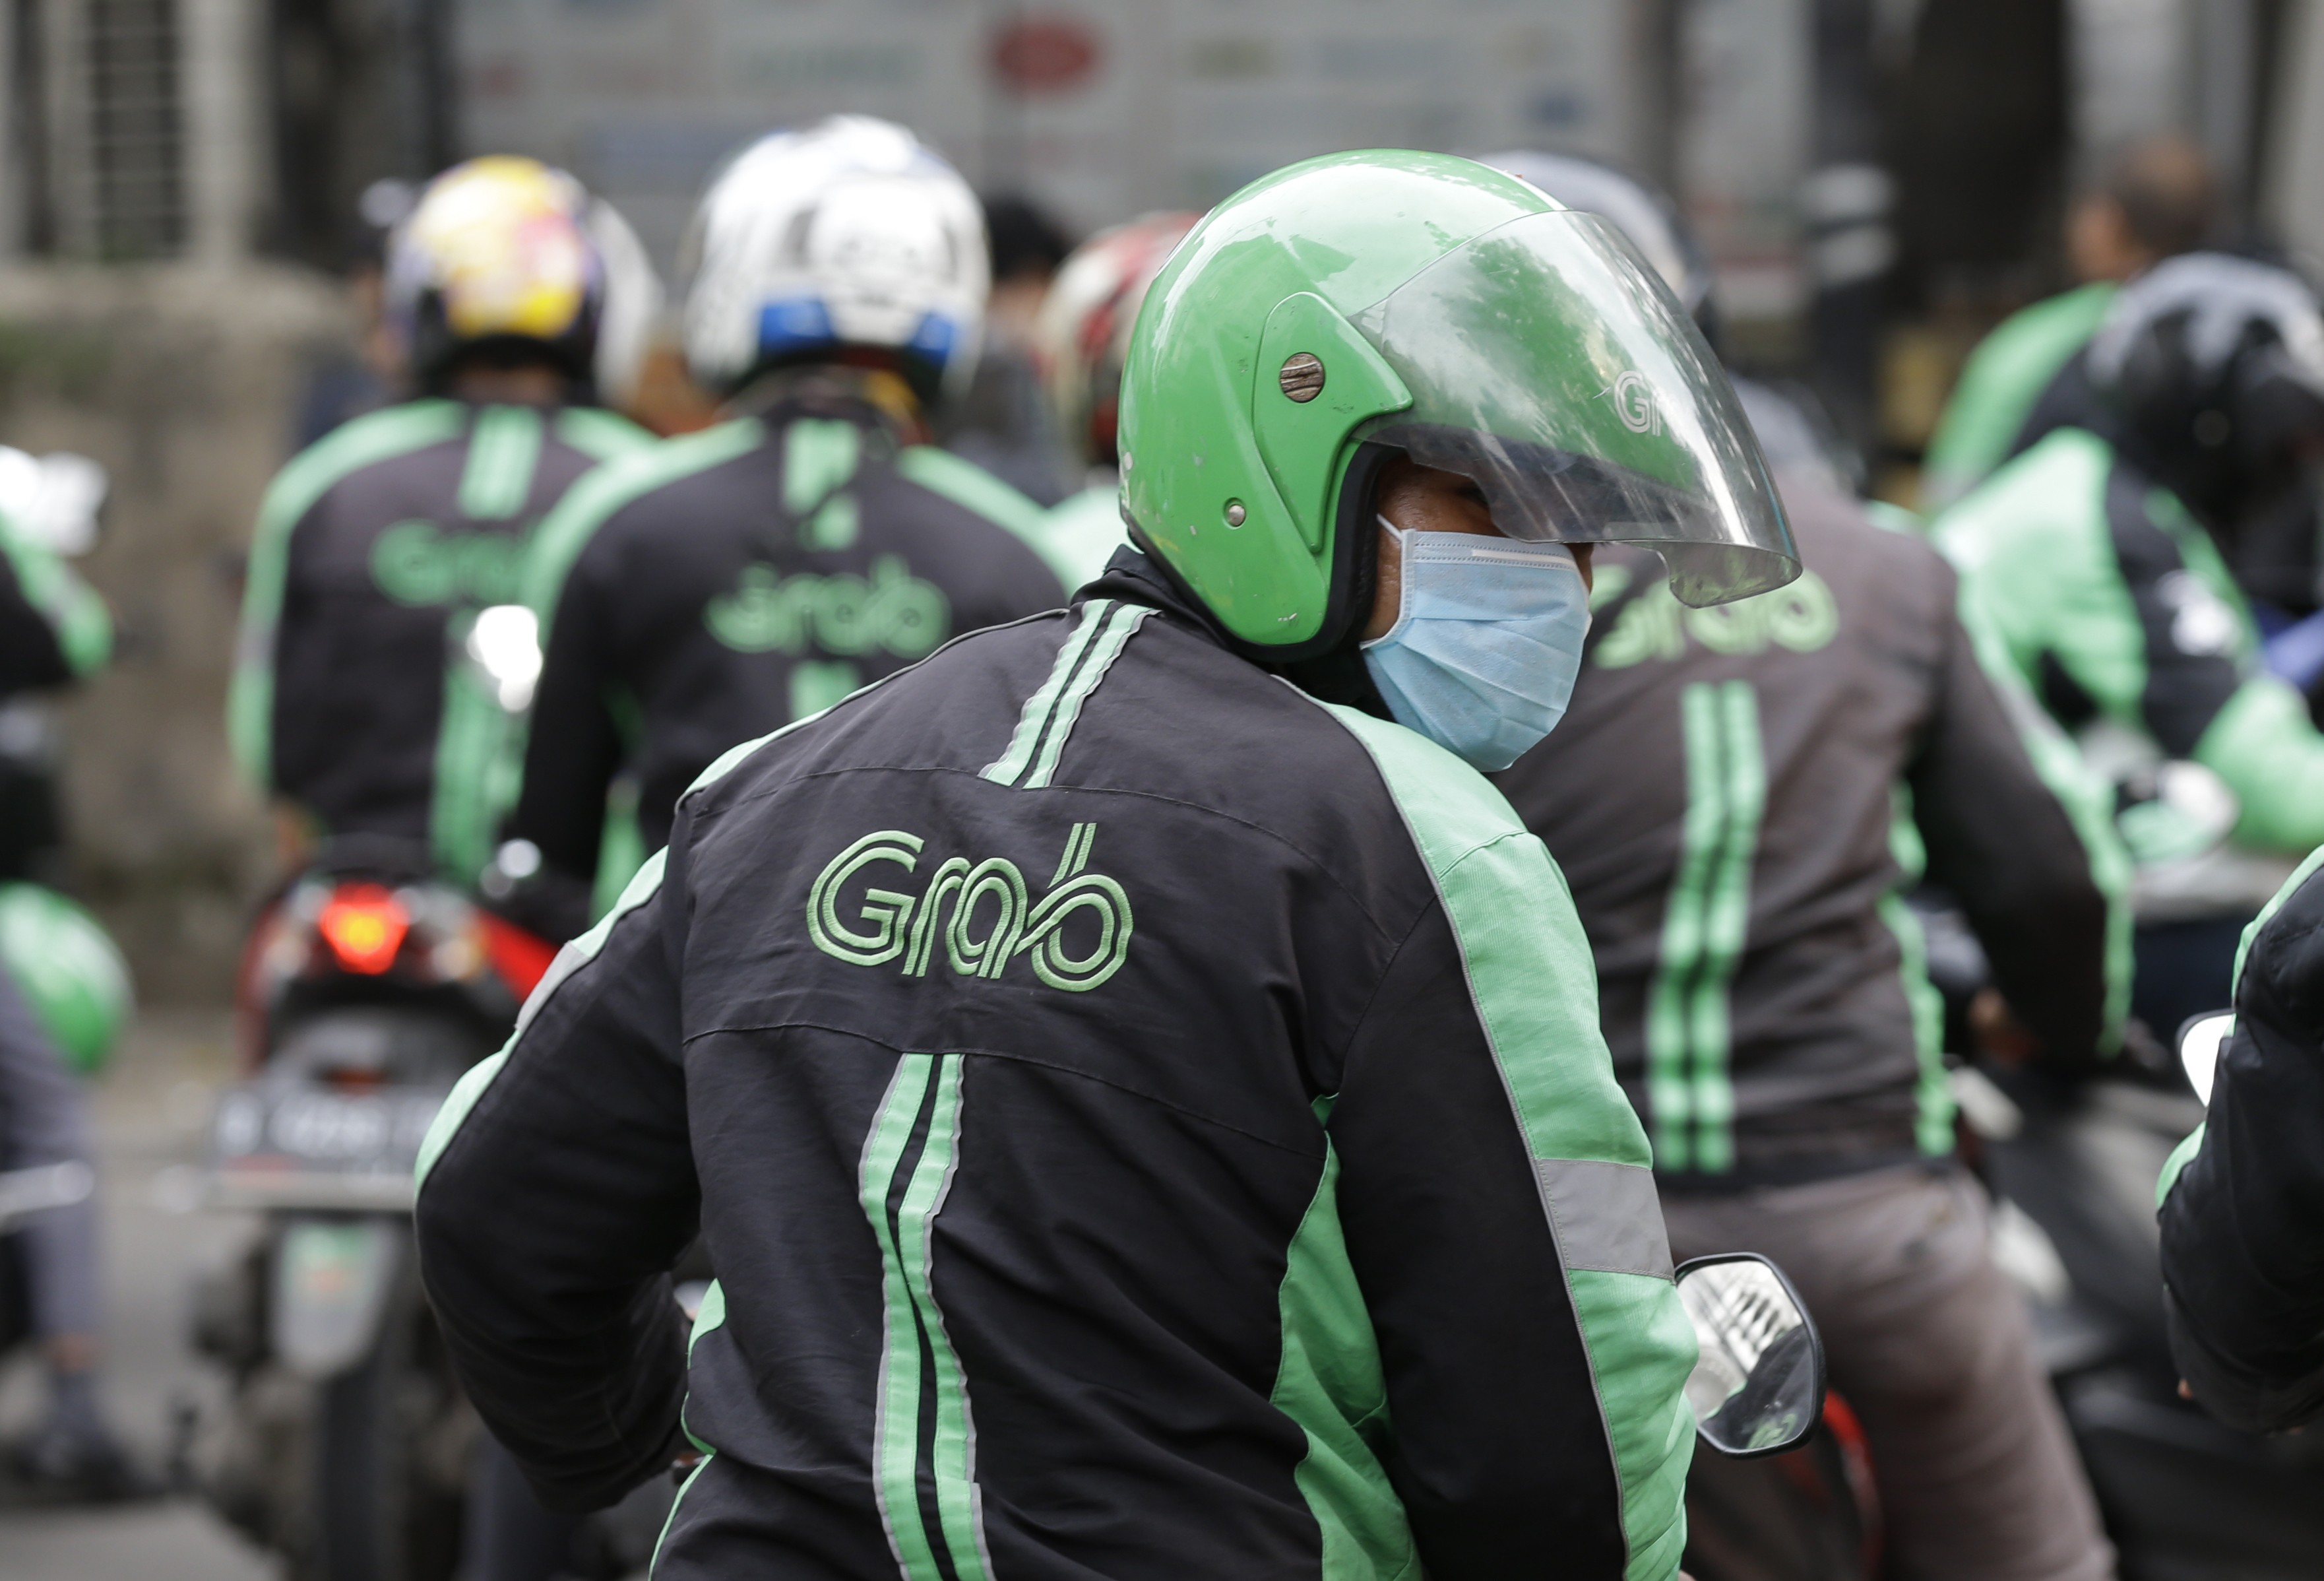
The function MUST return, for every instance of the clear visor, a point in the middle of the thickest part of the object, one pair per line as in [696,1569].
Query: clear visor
[1548,362]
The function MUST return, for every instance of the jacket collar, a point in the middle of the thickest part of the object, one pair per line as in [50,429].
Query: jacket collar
[1137,578]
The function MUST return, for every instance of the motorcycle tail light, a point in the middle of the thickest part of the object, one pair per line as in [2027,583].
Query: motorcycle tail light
[521,956]
[364,925]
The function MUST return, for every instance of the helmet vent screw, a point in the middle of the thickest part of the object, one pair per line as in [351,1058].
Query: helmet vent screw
[1236,514]
[1302,377]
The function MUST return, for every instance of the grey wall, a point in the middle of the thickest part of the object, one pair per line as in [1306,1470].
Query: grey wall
[181,380]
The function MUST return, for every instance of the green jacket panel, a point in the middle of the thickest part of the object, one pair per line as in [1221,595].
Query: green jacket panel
[2000,383]
[2106,598]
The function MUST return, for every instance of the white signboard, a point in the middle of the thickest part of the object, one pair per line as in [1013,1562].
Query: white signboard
[1102,108]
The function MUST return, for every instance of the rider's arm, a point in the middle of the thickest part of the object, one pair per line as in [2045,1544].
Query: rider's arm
[2016,833]
[556,1187]
[2263,743]
[2243,1221]
[53,628]
[1525,1399]
[2160,641]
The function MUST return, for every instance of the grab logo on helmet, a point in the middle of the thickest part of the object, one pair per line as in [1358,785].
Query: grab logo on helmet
[1634,403]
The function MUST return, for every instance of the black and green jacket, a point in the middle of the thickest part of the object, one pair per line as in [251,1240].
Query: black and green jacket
[53,627]
[1741,796]
[2242,1200]
[1146,1122]
[734,580]
[1997,409]
[376,548]
[2108,600]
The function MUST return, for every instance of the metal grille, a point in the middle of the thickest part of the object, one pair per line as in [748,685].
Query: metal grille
[136,163]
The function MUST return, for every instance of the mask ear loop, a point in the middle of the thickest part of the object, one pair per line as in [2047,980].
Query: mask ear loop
[1403,536]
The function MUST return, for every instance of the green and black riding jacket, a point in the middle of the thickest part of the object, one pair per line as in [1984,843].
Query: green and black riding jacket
[54,629]
[2112,604]
[375,548]
[2242,1200]
[736,579]
[1740,797]
[1147,1123]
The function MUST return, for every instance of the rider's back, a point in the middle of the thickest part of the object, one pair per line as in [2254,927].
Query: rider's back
[742,578]
[1107,1165]
[1738,797]
[371,545]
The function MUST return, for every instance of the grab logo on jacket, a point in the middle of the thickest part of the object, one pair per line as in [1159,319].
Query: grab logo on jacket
[858,913]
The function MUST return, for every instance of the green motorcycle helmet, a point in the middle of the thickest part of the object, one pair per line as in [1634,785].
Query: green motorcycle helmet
[1351,307]
[70,972]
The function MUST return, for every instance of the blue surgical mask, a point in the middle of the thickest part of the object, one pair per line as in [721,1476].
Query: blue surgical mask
[1486,645]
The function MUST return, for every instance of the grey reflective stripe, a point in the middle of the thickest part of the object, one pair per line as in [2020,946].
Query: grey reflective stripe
[504,453]
[1608,1216]
[1050,713]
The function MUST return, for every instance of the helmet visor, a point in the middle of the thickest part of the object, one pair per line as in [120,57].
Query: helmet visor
[1548,362]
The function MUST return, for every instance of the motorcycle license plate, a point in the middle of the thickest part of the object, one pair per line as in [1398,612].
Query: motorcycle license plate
[295,1146]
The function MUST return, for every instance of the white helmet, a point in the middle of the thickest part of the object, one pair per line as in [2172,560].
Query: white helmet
[849,232]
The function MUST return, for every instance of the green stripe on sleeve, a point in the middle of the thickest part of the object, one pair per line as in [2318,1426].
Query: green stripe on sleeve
[599,434]
[710,1316]
[474,745]
[365,443]
[972,488]
[2184,1153]
[1932,1129]
[569,963]
[504,453]
[2088,801]
[566,530]
[2300,875]
[77,617]
[2176,1164]
[1535,986]
[670,1519]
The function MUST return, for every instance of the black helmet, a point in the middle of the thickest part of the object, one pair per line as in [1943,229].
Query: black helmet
[1651,221]
[2211,369]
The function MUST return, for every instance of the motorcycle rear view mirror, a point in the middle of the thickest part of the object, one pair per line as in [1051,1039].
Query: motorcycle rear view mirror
[1758,1388]
[2199,1042]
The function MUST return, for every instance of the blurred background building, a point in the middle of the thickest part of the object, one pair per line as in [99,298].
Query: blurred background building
[1878,181]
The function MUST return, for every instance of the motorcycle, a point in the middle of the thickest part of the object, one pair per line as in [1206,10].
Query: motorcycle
[369,987]
[2182,1495]
[2072,1164]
